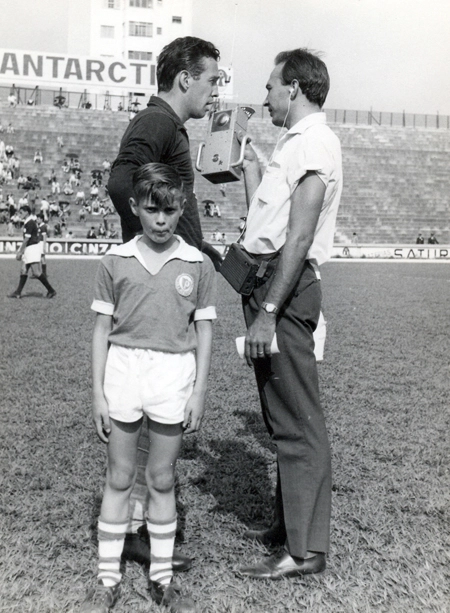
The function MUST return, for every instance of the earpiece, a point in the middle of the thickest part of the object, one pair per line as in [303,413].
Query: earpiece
[291,93]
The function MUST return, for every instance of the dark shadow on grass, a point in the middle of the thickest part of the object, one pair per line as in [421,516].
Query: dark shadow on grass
[238,479]
[253,424]
[32,295]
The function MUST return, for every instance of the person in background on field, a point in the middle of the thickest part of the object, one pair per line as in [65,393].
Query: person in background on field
[91,233]
[432,240]
[43,235]
[290,226]
[30,252]
[163,335]
[187,75]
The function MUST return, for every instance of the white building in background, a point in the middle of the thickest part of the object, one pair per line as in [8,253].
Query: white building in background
[99,52]
[136,29]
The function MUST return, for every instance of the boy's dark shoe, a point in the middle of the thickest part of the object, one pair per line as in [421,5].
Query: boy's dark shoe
[51,294]
[14,295]
[137,549]
[170,597]
[100,599]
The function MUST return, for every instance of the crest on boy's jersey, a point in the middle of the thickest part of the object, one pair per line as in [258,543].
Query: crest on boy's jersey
[184,284]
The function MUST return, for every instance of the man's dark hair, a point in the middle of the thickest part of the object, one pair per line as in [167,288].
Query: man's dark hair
[309,70]
[26,208]
[157,182]
[183,54]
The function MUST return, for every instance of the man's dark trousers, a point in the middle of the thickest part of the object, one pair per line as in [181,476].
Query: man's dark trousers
[289,393]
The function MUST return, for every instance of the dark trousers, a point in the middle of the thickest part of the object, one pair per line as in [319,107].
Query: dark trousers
[289,393]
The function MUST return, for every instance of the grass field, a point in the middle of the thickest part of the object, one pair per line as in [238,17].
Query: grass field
[385,382]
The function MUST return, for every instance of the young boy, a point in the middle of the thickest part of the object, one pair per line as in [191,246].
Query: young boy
[154,299]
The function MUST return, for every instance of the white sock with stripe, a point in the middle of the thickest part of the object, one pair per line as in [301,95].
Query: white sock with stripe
[162,540]
[111,538]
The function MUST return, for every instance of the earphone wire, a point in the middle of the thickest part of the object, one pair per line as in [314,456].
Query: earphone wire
[281,130]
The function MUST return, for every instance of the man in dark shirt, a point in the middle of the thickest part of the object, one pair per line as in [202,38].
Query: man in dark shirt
[30,253]
[187,75]
[432,240]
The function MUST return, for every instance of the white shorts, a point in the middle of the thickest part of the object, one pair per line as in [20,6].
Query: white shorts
[156,383]
[32,254]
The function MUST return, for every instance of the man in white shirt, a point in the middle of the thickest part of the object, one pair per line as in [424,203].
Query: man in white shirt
[291,222]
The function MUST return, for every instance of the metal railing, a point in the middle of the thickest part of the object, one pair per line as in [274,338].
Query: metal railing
[64,98]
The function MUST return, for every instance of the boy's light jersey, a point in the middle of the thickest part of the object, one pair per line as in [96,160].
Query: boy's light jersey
[155,311]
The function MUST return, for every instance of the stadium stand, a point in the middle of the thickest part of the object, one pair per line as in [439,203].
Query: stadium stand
[396,179]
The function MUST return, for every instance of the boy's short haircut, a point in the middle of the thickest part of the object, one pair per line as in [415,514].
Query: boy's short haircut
[309,70]
[183,54]
[159,183]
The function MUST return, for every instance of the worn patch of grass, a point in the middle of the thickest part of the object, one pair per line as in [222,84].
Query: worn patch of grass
[385,392]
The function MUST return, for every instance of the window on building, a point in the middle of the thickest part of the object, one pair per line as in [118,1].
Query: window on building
[140,55]
[107,31]
[158,30]
[143,4]
[177,20]
[112,4]
[140,28]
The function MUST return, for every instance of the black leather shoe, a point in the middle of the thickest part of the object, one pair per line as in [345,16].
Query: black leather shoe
[286,566]
[271,537]
[137,549]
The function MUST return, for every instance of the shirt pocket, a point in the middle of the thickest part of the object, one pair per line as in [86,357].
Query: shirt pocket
[272,187]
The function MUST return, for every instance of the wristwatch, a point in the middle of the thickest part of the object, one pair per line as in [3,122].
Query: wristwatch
[270,308]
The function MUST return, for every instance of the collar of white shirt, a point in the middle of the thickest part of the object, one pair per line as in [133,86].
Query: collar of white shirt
[310,120]
[182,252]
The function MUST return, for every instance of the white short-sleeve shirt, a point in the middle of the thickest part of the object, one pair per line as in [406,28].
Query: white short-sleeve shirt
[310,145]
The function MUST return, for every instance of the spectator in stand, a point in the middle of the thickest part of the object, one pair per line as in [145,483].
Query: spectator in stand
[420,239]
[73,179]
[97,177]
[45,209]
[65,165]
[56,188]
[60,142]
[112,232]
[80,198]
[432,240]
[9,151]
[59,100]
[10,228]
[91,233]
[67,189]
[38,157]
[23,201]
[223,238]
[82,214]
[101,233]
[94,191]
[53,176]
[10,129]
[106,165]
[54,209]
[57,232]
[216,211]
[12,99]
[2,150]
